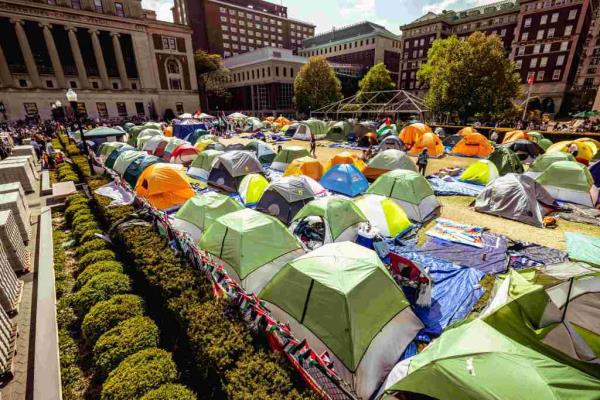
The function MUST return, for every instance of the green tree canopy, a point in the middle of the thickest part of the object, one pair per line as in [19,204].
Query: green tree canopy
[377,79]
[316,85]
[469,77]
[212,74]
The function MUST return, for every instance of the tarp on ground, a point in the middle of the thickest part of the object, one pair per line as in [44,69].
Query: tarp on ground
[584,248]
[491,258]
[455,291]
[450,186]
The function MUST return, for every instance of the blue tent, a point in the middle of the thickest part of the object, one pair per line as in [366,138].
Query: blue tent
[197,134]
[183,128]
[135,169]
[112,157]
[595,171]
[345,179]
[455,291]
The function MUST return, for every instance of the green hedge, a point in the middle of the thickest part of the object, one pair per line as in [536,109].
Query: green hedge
[101,287]
[170,391]
[125,339]
[94,257]
[138,374]
[92,245]
[95,269]
[81,229]
[106,314]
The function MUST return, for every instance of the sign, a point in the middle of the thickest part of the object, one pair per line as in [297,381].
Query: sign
[102,110]
[81,110]
[122,109]
[31,109]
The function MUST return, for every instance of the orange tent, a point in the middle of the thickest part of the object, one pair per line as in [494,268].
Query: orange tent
[164,185]
[168,131]
[466,131]
[283,121]
[345,157]
[515,135]
[410,134]
[305,166]
[473,145]
[429,141]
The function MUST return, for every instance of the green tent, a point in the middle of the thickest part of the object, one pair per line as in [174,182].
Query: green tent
[537,137]
[341,217]
[473,361]
[385,130]
[410,190]
[545,143]
[342,296]
[338,132]
[583,248]
[252,244]
[107,147]
[287,155]
[388,160]
[128,125]
[311,127]
[99,133]
[506,161]
[199,212]
[543,161]
[264,152]
[202,164]
[126,158]
[554,311]
[135,131]
[569,181]
[146,135]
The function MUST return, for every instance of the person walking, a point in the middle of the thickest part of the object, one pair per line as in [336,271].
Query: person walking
[422,161]
[313,145]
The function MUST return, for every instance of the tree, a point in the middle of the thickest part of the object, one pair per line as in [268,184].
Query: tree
[316,85]
[212,75]
[469,77]
[376,80]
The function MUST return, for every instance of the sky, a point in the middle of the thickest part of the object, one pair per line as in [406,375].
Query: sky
[326,14]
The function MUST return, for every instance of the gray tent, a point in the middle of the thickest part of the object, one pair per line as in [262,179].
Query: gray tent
[231,167]
[391,142]
[285,197]
[516,197]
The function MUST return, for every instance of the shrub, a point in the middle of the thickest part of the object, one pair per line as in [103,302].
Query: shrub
[94,257]
[82,212]
[71,210]
[218,342]
[105,315]
[82,218]
[138,374]
[72,378]
[72,150]
[170,391]
[92,245]
[95,269]
[77,198]
[125,339]
[65,316]
[79,230]
[90,235]
[258,376]
[100,287]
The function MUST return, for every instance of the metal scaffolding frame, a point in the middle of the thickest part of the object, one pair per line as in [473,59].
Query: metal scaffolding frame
[375,104]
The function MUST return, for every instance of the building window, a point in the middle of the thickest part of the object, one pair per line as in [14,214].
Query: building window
[540,76]
[49,84]
[568,30]
[115,86]
[527,22]
[98,6]
[175,84]
[529,75]
[554,17]
[518,64]
[540,34]
[119,9]
[536,48]
[95,85]
[291,72]
[547,48]
[556,75]
[169,43]
[550,33]
[525,36]
[521,51]
[572,14]
[223,10]
[76,4]
[52,2]
[533,63]
[102,110]
[223,19]
[503,32]
[564,46]
[276,71]
[122,109]
[133,85]
[543,62]
[544,19]
[73,84]
[560,60]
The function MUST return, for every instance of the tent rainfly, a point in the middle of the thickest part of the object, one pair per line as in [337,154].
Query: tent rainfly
[311,127]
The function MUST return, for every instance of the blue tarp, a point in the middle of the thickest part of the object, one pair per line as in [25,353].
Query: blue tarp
[454,187]
[183,129]
[455,291]
[491,259]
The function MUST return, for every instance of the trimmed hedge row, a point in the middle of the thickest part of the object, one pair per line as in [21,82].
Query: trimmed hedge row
[229,362]
[103,316]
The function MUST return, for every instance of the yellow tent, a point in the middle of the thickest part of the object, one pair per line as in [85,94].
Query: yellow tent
[164,185]
[585,150]
[345,157]
[305,166]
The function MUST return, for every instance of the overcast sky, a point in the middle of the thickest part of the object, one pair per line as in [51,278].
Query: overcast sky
[326,14]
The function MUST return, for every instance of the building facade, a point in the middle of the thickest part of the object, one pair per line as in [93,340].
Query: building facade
[262,82]
[121,61]
[356,48]
[232,27]
[554,41]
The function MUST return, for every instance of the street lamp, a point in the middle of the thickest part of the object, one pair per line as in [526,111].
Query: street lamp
[72,99]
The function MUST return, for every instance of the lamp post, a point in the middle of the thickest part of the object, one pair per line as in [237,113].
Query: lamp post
[72,99]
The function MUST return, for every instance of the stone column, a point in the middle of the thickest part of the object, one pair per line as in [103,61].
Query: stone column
[81,72]
[27,54]
[120,61]
[100,59]
[56,65]
[5,75]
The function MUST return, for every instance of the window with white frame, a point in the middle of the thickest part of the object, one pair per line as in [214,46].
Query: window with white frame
[560,60]
[551,33]
[540,76]
[225,28]
[519,63]
[169,43]
[527,22]
[223,19]
[223,9]
[543,62]
[533,62]
[234,29]
[503,32]
[225,36]
[564,46]
[174,76]
[536,48]
[547,47]
[556,75]
[540,34]
[529,75]
[525,36]
[544,19]
[231,12]
[568,30]
[422,41]
[521,51]
[554,17]
[572,14]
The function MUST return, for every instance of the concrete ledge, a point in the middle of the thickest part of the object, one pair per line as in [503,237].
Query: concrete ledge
[45,182]
[46,373]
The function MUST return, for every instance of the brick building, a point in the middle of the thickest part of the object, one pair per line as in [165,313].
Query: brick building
[354,49]
[556,41]
[232,27]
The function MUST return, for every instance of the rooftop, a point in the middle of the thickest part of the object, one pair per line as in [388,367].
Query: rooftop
[348,32]
[262,55]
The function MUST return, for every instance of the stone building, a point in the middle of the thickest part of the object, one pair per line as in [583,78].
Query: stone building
[117,56]
[232,27]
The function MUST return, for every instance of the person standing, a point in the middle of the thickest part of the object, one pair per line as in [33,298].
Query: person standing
[313,145]
[422,161]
